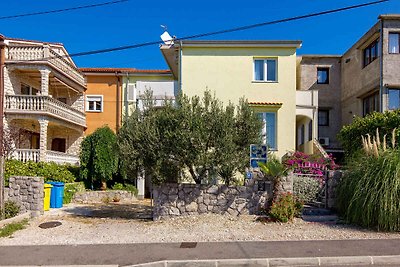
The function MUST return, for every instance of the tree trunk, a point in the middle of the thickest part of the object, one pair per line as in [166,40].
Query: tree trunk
[103,185]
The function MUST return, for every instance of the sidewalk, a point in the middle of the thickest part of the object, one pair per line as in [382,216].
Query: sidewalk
[130,254]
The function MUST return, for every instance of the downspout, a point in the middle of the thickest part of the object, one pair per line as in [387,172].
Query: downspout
[126,95]
[180,67]
[118,105]
[2,156]
[381,70]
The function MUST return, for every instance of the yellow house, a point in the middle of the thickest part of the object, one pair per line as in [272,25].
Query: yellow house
[263,72]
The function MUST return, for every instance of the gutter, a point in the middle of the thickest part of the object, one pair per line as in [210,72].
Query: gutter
[381,87]
[118,106]
[180,67]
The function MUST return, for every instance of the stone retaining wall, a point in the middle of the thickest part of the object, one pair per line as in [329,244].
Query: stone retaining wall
[172,200]
[103,196]
[27,192]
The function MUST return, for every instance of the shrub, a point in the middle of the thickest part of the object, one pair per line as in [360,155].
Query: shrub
[285,208]
[350,135]
[70,189]
[305,189]
[11,209]
[50,171]
[126,187]
[369,192]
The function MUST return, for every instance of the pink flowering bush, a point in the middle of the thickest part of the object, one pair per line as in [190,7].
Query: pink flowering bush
[314,165]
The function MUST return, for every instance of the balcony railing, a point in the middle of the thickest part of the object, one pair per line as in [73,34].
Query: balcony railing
[61,158]
[44,105]
[307,98]
[25,155]
[46,54]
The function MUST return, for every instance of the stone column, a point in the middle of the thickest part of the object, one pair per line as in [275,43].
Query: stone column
[140,184]
[44,81]
[43,138]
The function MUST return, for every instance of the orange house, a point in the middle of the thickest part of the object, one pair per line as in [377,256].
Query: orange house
[103,98]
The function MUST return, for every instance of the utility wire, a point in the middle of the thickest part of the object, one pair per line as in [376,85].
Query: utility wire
[63,10]
[242,28]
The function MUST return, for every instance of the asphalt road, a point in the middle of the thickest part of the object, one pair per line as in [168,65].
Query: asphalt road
[128,254]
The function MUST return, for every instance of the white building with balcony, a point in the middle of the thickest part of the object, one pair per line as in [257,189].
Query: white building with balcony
[43,101]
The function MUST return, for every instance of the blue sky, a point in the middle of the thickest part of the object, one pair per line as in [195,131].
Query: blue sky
[139,21]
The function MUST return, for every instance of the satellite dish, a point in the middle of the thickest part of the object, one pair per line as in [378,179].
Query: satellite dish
[167,39]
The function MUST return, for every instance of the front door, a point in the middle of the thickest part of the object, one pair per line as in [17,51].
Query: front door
[58,144]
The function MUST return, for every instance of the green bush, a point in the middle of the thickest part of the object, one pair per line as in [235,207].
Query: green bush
[11,209]
[369,192]
[126,187]
[70,189]
[285,208]
[50,171]
[350,135]
[305,189]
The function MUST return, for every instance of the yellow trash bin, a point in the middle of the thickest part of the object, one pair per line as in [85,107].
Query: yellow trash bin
[47,193]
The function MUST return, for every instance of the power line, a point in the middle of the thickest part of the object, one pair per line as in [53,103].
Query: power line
[63,10]
[100,51]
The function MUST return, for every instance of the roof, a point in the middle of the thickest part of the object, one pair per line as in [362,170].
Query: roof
[27,40]
[321,56]
[241,43]
[122,70]
[389,16]
[265,104]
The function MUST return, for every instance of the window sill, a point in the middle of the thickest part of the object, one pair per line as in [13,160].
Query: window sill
[94,111]
[264,81]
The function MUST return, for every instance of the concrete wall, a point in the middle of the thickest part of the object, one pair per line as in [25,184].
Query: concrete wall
[171,200]
[391,62]
[357,80]
[228,71]
[328,94]
[27,192]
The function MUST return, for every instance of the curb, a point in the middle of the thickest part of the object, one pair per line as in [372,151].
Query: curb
[26,215]
[275,262]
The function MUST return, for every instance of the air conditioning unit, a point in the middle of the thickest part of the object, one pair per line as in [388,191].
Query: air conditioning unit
[324,141]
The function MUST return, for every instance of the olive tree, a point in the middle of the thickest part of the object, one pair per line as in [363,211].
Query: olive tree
[195,136]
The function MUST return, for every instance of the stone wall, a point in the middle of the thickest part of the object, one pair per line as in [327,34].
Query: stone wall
[27,192]
[332,183]
[172,200]
[103,196]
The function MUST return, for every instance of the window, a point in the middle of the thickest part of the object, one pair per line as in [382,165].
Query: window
[323,117]
[94,103]
[265,70]
[310,130]
[269,129]
[394,39]
[28,90]
[394,99]
[371,103]
[323,75]
[371,52]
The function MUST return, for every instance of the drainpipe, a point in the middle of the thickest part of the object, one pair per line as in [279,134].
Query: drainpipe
[118,105]
[126,95]
[381,70]
[180,67]
[2,156]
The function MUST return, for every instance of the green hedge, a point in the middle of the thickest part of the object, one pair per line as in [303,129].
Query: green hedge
[70,189]
[350,135]
[50,171]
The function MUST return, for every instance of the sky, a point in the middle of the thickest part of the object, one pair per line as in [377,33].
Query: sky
[138,21]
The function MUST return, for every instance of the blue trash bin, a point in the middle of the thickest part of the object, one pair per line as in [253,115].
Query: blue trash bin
[57,194]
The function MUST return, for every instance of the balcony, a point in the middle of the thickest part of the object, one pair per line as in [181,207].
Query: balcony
[307,98]
[45,54]
[25,155]
[43,105]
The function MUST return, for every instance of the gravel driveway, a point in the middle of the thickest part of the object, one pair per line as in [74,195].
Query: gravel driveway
[94,224]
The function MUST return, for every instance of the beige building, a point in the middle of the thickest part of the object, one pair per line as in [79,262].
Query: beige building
[43,101]
[323,74]
[370,71]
